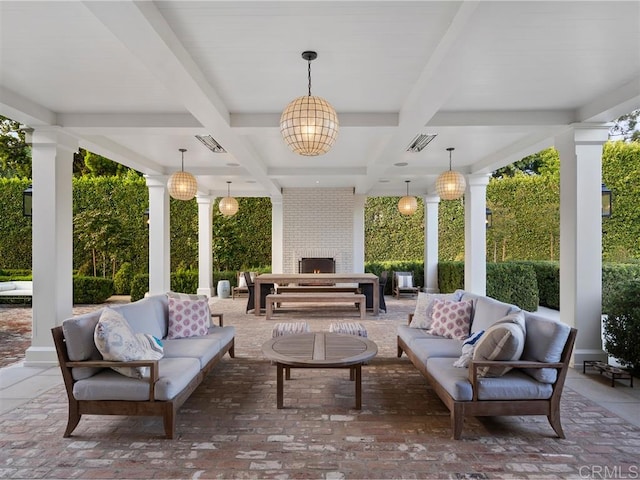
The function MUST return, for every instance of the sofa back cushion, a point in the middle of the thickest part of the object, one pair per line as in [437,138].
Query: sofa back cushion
[544,342]
[78,334]
[487,311]
[148,315]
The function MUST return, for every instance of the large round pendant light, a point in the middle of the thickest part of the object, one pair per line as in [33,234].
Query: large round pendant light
[309,124]
[182,185]
[228,206]
[407,204]
[450,184]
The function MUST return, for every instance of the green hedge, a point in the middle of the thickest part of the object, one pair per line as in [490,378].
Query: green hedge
[91,290]
[508,282]
[548,278]
[622,326]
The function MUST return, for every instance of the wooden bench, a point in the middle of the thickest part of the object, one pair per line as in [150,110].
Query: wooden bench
[340,297]
[316,289]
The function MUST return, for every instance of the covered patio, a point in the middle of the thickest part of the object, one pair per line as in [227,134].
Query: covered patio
[137,81]
[231,428]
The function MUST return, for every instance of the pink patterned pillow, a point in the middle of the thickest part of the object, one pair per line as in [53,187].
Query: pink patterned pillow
[189,316]
[451,319]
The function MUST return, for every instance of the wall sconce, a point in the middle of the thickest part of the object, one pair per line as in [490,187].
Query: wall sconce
[145,216]
[27,201]
[488,217]
[606,201]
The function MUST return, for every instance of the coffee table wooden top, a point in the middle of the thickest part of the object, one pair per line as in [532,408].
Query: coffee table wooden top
[321,349]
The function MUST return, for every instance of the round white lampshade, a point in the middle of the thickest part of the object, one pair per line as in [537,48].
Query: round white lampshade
[228,206]
[407,205]
[309,125]
[450,185]
[182,186]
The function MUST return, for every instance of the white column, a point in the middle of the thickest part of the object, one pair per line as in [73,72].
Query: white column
[475,233]
[205,245]
[159,235]
[277,235]
[431,207]
[580,150]
[52,163]
[359,202]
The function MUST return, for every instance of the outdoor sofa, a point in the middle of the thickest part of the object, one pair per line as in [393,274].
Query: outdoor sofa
[517,366]
[16,289]
[184,356]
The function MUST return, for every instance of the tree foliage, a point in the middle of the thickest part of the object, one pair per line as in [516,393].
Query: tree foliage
[15,154]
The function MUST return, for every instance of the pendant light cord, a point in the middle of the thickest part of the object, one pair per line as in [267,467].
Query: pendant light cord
[309,74]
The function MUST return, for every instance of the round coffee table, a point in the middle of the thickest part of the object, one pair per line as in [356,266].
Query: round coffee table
[319,350]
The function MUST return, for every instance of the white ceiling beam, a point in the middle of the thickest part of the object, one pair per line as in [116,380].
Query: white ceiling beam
[142,29]
[613,104]
[316,172]
[496,118]
[23,110]
[435,85]
[118,153]
[102,122]
[346,119]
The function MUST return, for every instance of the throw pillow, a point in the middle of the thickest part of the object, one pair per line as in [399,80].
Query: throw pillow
[422,316]
[468,348]
[189,315]
[503,341]
[116,341]
[405,281]
[451,319]
[242,282]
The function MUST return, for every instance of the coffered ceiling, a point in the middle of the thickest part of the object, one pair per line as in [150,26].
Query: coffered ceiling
[136,81]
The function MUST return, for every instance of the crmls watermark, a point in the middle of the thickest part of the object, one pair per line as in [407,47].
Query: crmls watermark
[602,472]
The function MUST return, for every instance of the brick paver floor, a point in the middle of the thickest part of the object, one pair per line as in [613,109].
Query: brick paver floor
[231,428]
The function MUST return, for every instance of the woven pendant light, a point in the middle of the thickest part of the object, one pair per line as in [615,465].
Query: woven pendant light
[450,184]
[182,185]
[228,206]
[407,204]
[309,124]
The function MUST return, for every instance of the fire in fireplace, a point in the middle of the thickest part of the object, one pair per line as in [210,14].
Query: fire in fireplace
[317,265]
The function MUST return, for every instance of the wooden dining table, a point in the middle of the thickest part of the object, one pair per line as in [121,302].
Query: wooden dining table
[318,279]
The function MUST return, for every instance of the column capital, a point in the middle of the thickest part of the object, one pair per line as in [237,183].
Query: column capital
[276,200]
[205,199]
[478,179]
[51,135]
[431,198]
[590,133]
[156,180]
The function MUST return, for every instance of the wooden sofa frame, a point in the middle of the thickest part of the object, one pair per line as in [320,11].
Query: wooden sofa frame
[149,408]
[486,408]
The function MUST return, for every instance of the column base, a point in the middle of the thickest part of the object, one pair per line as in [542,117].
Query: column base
[580,355]
[205,291]
[431,290]
[41,357]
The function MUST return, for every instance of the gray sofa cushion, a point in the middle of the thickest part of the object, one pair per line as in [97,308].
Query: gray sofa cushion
[426,348]
[544,342]
[410,335]
[148,315]
[487,311]
[175,374]
[202,348]
[511,386]
[78,332]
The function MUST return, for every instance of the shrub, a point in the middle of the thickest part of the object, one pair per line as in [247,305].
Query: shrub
[622,325]
[123,278]
[548,278]
[139,286]
[91,290]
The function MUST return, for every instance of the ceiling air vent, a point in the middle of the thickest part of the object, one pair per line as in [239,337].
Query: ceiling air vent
[210,142]
[419,142]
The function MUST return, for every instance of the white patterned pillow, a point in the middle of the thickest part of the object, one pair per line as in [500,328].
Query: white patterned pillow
[451,319]
[422,316]
[116,341]
[189,315]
